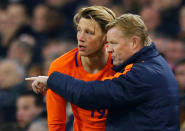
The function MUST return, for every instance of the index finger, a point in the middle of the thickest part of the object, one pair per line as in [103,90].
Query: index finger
[30,78]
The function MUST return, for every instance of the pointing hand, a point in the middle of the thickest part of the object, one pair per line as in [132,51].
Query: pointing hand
[39,84]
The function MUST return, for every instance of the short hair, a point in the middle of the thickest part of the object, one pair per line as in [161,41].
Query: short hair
[38,99]
[181,62]
[100,14]
[131,25]
[18,68]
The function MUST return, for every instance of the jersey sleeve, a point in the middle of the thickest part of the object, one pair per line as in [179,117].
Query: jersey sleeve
[56,108]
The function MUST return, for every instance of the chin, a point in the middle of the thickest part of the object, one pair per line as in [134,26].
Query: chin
[83,53]
[117,63]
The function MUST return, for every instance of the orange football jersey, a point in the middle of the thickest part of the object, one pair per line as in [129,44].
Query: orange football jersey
[84,120]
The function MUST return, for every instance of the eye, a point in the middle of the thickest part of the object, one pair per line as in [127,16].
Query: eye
[89,32]
[112,42]
[107,43]
[78,29]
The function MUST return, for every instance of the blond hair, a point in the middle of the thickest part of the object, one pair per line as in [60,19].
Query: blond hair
[100,14]
[132,25]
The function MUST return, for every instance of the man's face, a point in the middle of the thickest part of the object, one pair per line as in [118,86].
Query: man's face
[8,75]
[174,52]
[119,46]
[90,37]
[26,110]
[40,21]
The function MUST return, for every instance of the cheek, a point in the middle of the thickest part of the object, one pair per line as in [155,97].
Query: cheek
[93,45]
[77,36]
[119,51]
[182,79]
[26,114]
[123,55]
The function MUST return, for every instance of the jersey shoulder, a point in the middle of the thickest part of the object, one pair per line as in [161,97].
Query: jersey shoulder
[64,62]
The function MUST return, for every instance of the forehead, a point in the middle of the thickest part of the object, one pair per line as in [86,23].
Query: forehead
[181,66]
[175,44]
[88,23]
[183,11]
[25,100]
[114,33]
[7,66]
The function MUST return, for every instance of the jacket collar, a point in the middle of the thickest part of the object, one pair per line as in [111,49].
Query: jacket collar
[145,53]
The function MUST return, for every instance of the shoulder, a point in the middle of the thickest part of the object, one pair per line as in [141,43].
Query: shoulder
[64,61]
[151,71]
[145,68]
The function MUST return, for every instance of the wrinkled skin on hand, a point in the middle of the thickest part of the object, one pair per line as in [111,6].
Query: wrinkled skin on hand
[39,84]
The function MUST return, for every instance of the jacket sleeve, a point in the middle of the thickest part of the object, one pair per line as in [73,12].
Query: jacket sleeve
[125,89]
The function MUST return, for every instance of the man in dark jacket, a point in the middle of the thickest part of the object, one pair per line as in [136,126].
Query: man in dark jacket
[143,94]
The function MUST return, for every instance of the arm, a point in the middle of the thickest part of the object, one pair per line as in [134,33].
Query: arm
[100,94]
[56,107]
[56,111]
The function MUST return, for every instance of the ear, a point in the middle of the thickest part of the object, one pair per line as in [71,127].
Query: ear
[136,42]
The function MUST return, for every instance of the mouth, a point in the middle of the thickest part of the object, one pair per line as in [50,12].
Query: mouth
[81,47]
[20,122]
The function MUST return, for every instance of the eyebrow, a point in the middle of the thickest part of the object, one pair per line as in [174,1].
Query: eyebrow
[88,28]
[111,41]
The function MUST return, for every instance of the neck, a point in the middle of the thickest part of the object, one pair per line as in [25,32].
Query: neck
[95,63]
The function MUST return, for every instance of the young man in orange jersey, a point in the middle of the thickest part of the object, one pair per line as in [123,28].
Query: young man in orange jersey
[88,62]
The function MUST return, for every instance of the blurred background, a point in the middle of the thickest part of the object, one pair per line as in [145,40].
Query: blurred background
[35,32]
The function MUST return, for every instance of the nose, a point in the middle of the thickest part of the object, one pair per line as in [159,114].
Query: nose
[18,114]
[80,36]
[109,49]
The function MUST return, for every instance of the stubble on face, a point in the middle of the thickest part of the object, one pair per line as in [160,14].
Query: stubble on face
[119,46]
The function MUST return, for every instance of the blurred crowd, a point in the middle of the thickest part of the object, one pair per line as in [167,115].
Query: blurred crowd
[35,32]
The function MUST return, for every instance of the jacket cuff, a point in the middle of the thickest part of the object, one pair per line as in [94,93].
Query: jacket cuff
[51,80]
